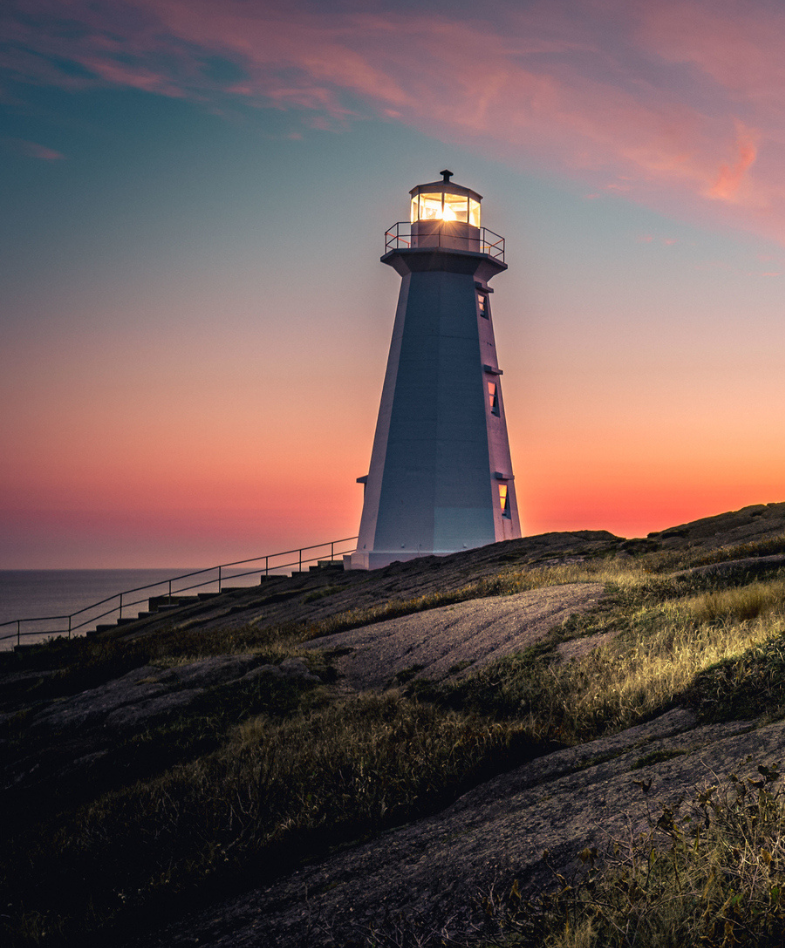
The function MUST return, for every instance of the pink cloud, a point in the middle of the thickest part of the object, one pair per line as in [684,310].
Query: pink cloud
[34,150]
[672,104]
[731,177]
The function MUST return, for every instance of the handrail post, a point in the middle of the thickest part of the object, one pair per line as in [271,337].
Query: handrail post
[121,607]
[266,565]
[300,567]
[69,627]
[332,548]
[170,592]
[18,631]
[220,568]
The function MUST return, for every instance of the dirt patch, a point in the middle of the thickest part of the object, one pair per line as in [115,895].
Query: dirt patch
[455,640]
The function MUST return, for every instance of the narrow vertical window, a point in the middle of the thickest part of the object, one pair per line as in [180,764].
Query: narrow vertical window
[493,398]
[482,304]
[504,500]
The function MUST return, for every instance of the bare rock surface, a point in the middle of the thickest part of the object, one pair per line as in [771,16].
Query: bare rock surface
[127,701]
[456,639]
[438,868]
[748,564]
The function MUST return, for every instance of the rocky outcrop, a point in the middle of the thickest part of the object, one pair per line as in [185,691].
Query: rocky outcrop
[437,869]
[70,736]
[455,640]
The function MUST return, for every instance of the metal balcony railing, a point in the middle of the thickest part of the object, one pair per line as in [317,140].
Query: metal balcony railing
[169,589]
[400,237]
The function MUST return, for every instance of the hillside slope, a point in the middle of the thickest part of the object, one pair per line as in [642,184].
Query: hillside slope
[332,755]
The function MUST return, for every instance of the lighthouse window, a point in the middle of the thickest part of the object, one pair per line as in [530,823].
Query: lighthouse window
[430,207]
[493,398]
[456,208]
[504,500]
[445,207]
[482,303]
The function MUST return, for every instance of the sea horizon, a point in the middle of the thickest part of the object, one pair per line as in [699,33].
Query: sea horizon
[43,599]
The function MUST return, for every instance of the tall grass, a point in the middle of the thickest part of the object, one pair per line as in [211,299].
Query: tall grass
[276,792]
[742,603]
[655,656]
[710,874]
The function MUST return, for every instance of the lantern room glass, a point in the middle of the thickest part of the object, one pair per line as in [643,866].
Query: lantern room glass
[443,206]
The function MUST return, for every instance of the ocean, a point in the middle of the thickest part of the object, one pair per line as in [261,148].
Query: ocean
[32,593]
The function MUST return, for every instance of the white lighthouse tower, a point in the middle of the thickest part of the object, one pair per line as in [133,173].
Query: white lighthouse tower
[440,478]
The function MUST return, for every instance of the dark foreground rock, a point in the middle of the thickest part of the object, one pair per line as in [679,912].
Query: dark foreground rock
[70,736]
[433,873]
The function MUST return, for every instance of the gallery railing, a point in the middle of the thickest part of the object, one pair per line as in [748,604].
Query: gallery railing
[406,236]
[171,589]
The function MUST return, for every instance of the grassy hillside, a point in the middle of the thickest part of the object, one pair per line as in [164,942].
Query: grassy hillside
[257,775]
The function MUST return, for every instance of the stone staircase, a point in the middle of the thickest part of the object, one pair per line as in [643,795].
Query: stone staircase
[157,605]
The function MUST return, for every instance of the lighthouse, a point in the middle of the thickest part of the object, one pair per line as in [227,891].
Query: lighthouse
[440,478]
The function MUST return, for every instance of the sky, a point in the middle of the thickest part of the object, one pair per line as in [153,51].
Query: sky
[194,322]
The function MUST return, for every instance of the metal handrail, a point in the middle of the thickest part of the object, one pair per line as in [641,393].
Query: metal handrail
[123,603]
[400,237]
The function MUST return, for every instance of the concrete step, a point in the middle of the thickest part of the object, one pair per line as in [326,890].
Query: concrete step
[127,620]
[336,565]
[331,564]
[202,597]
[156,603]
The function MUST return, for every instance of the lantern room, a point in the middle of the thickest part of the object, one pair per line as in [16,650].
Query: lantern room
[445,216]
[445,201]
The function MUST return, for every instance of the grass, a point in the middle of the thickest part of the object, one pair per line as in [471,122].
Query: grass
[252,780]
[659,652]
[744,603]
[274,793]
[709,874]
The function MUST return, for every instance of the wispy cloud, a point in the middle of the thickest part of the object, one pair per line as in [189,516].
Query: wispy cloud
[674,104]
[33,150]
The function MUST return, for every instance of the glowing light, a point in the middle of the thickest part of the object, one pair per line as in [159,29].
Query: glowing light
[441,206]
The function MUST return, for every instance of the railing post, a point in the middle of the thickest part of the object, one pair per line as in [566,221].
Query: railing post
[220,568]
[121,607]
[170,592]
[266,565]
[300,567]
[69,627]
[18,631]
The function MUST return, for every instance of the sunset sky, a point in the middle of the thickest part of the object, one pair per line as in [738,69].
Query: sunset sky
[194,322]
